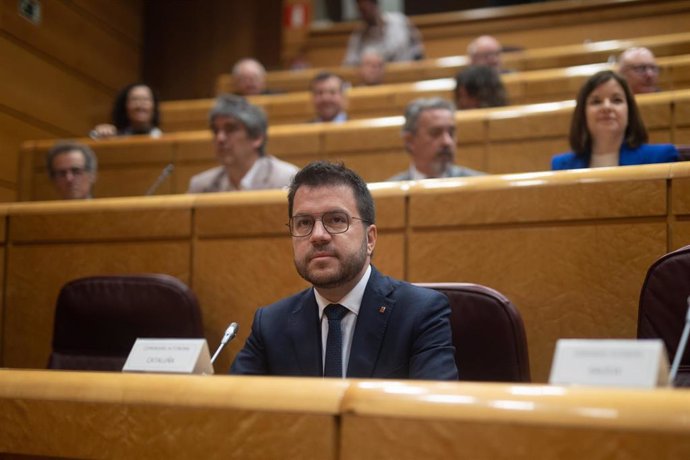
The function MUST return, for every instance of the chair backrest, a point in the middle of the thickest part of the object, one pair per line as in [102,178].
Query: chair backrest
[488,333]
[98,318]
[664,304]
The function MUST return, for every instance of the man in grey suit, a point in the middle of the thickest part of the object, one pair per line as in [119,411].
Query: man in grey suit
[430,139]
[239,137]
[354,321]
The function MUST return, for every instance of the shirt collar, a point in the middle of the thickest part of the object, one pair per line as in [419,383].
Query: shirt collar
[352,300]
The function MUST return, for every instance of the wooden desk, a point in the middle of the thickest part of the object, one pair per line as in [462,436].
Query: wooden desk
[91,415]
[496,421]
[111,415]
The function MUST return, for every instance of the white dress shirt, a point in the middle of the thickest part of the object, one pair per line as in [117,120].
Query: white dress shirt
[352,302]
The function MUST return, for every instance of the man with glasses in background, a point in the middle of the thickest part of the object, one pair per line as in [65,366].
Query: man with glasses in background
[354,321]
[72,168]
[638,67]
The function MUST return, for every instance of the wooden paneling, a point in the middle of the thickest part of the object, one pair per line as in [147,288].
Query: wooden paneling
[88,47]
[559,251]
[99,415]
[123,17]
[64,103]
[13,132]
[431,420]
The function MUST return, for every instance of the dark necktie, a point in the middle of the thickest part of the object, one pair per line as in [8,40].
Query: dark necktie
[333,366]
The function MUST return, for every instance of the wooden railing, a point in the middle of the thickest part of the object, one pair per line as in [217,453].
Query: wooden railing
[92,415]
[536,58]
[502,140]
[388,100]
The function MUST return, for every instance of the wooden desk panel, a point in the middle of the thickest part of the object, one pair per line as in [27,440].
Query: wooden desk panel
[561,252]
[109,415]
[491,421]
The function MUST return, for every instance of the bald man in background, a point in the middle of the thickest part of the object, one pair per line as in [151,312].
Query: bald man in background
[249,77]
[638,67]
[485,50]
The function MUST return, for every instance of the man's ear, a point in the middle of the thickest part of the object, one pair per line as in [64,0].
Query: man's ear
[258,142]
[372,233]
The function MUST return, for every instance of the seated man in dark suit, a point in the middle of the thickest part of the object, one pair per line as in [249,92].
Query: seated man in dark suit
[354,322]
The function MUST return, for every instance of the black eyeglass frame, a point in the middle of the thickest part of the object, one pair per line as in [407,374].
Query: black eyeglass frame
[320,218]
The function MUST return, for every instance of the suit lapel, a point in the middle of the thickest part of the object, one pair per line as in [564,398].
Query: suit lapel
[304,331]
[377,306]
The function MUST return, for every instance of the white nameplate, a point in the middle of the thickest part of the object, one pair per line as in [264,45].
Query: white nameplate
[623,363]
[178,356]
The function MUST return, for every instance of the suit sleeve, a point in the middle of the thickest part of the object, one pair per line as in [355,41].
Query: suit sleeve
[251,360]
[433,353]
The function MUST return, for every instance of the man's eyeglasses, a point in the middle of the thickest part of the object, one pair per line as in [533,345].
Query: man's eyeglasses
[62,173]
[642,69]
[334,222]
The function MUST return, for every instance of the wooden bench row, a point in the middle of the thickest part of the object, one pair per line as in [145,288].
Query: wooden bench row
[502,140]
[523,26]
[570,249]
[538,58]
[387,100]
[97,415]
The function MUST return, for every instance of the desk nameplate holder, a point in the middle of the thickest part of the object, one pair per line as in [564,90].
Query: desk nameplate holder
[610,362]
[173,356]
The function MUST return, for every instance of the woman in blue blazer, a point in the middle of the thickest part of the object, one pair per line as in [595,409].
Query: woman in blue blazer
[607,129]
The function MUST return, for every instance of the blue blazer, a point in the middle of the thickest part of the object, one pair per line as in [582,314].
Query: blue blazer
[408,339]
[644,154]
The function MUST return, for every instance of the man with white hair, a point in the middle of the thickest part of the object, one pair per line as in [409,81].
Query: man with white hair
[638,67]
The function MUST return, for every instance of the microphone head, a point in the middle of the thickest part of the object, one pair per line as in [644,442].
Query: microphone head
[230,332]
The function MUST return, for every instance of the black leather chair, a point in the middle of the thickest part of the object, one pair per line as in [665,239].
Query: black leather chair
[98,318]
[488,333]
[664,303]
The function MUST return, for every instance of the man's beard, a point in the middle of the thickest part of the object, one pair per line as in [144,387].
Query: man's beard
[444,158]
[349,269]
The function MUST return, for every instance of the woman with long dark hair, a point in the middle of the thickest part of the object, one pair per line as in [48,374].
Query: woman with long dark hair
[607,129]
[135,111]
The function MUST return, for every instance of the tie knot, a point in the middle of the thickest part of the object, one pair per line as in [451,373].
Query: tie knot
[335,312]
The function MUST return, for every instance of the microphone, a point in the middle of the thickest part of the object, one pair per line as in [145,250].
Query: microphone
[682,345]
[230,334]
[161,177]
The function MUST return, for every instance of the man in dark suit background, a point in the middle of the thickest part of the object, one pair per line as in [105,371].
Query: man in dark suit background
[354,322]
